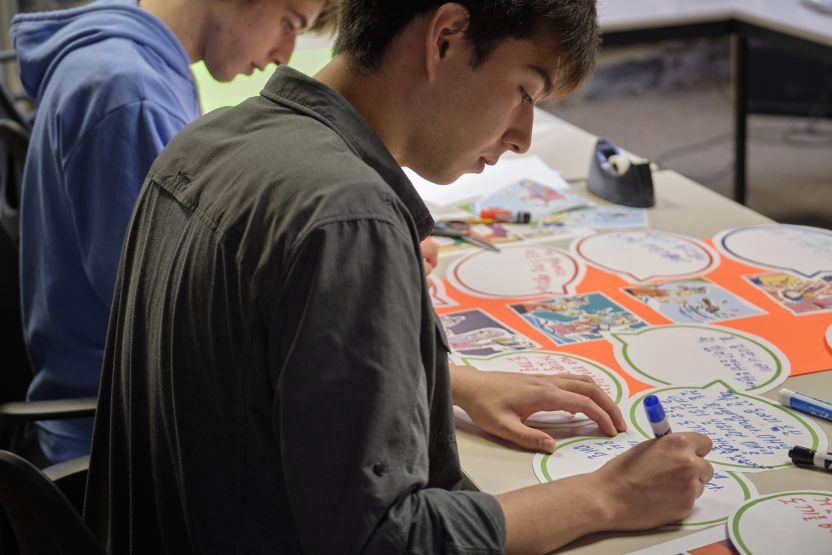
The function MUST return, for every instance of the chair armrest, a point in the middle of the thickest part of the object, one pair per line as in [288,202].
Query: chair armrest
[71,478]
[59,409]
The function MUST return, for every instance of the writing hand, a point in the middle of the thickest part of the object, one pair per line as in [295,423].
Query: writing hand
[500,402]
[652,484]
[656,482]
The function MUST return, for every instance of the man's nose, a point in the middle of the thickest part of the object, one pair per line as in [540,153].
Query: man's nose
[518,138]
[283,51]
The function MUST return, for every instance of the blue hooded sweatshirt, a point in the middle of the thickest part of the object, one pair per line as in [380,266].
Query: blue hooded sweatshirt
[113,85]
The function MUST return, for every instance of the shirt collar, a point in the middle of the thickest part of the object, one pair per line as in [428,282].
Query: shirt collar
[304,94]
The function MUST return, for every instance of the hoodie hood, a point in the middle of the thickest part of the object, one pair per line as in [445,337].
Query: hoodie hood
[43,39]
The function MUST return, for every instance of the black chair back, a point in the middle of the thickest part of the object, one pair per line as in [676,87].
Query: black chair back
[16,368]
[43,520]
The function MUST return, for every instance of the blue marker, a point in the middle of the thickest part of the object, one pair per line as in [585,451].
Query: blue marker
[656,416]
[804,403]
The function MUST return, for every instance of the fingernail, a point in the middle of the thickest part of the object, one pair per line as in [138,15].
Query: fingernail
[547,445]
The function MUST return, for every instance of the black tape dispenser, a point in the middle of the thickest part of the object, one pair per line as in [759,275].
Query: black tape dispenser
[613,177]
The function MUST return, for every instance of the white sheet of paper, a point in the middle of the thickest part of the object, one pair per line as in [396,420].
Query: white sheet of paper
[581,455]
[793,248]
[472,186]
[549,363]
[787,522]
[639,256]
[518,271]
[683,546]
[749,433]
[725,493]
[677,354]
[829,337]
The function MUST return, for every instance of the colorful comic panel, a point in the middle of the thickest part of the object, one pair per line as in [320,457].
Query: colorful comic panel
[693,301]
[798,295]
[725,547]
[578,318]
[530,196]
[475,333]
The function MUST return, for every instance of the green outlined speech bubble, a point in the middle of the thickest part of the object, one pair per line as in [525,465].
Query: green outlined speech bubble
[683,354]
[551,363]
[726,491]
[749,433]
[780,523]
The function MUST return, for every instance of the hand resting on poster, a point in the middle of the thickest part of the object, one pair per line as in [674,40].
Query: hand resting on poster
[650,485]
[500,403]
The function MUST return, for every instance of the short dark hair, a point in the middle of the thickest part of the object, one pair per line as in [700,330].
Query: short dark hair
[369,27]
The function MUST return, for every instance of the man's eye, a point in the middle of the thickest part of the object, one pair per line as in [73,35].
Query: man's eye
[288,25]
[525,95]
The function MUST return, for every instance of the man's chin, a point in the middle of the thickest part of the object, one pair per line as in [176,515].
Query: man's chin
[436,176]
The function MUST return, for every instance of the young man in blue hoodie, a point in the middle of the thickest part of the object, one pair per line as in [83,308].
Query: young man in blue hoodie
[113,85]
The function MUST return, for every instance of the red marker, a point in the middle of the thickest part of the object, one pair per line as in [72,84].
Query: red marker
[506,216]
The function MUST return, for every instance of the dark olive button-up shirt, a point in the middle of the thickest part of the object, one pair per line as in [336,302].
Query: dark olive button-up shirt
[275,380]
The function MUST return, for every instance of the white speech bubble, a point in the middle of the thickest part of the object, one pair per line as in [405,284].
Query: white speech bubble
[438,297]
[517,272]
[749,433]
[548,363]
[724,494]
[581,456]
[682,354]
[786,522]
[804,250]
[639,256]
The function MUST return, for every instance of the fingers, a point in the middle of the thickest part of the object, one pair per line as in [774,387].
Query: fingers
[590,389]
[576,402]
[529,438]
[696,446]
[702,444]
[430,252]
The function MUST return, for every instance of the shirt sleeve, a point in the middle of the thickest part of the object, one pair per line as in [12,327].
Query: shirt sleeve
[351,408]
[103,176]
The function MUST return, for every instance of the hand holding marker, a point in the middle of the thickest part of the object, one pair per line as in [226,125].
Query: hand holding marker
[656,416]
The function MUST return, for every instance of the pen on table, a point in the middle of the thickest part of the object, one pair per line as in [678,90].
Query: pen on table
[461,230]
[803,456]
[656,416]
[506,216]
[804,403]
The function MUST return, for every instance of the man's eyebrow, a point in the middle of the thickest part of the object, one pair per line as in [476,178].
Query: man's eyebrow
[303,22]
[548,85]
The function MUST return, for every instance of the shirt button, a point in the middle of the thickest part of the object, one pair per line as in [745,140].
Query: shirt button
[379,468]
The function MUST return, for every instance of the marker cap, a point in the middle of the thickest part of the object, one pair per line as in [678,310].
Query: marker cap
[654,408]
[802,455]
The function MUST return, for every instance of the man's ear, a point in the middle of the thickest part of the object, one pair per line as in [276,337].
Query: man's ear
[445,37]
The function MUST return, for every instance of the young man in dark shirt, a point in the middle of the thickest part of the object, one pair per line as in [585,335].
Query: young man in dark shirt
[275,379]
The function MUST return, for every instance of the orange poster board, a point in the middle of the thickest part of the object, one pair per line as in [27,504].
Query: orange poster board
[799,336]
